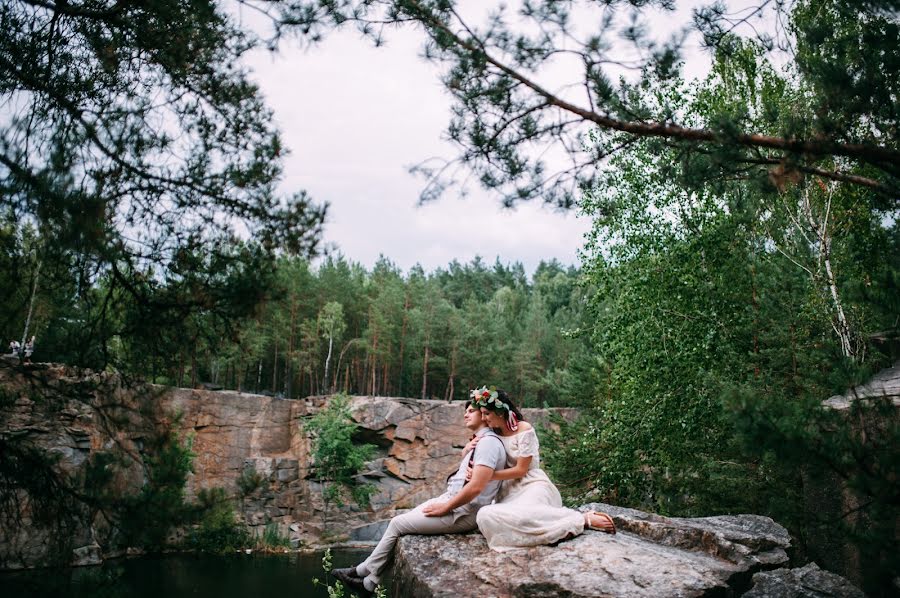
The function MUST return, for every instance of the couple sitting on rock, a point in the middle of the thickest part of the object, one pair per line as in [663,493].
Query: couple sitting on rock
[528,510]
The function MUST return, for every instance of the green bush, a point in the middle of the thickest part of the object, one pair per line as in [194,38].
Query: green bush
[160,505]
[218,529]
[273,538]
[336,458]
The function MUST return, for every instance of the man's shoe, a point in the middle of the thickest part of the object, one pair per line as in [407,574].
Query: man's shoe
[344,572]
[349,578]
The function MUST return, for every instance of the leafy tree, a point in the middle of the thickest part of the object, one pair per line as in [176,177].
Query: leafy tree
[133,146]
[503,74]
[724,311]
[331,323]
[336,458]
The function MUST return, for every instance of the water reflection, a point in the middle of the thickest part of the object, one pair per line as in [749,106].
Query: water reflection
[182,576]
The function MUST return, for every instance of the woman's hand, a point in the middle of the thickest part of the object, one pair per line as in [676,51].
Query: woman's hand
[468,472]
[471,445]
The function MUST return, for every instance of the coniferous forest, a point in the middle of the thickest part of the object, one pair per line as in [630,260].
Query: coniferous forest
[336,327]
[742,266]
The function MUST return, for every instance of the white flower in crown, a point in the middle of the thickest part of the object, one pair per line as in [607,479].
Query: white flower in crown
[484,397]
[484,394]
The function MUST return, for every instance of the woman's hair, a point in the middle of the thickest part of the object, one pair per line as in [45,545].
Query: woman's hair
[504,396]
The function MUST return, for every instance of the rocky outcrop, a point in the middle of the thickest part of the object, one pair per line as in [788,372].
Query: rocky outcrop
[651,556]
[805,582]
[254,447]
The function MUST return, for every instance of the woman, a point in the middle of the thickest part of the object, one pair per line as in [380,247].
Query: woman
[529,510]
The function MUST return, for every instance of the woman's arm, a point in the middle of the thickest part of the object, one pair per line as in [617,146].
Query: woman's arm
[510,473]
[515,472]
[471,445]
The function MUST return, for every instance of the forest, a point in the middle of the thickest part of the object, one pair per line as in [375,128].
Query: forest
[743,263]
[336,327]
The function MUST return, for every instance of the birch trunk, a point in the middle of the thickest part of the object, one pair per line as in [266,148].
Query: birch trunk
[34,287]
[325,384]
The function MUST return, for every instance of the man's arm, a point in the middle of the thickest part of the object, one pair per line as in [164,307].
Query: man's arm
[480,478]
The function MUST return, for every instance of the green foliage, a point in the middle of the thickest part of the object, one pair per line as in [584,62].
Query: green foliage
[272,538]
[524,141]
[337,589]
[160,505]
[370,329]
[127,168]
[725,310]
[217,530]
[336,458]
[855,449]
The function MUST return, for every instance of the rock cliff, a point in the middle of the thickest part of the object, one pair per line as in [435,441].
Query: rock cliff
[81,420]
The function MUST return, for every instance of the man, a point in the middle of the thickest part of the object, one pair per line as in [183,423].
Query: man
[453,512]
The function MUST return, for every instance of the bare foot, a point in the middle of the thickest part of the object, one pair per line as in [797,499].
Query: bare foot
[600,522]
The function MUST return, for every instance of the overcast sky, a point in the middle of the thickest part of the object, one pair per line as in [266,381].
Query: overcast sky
[355,118]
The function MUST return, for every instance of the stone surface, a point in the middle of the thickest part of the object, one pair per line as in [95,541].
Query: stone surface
[84,556]
[651,556]
[884,384]
[806,582]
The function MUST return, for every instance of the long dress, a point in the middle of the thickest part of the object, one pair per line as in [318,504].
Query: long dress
[529,510]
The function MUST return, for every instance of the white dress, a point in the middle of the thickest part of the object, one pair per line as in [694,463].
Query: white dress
[529,510]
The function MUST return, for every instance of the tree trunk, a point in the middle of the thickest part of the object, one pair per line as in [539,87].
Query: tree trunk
[424,394]
[325,384]
[755,305]
[180,369]
[820,227]
[289,362]
[194,366]
[402,343]
[37,273]
[275,370]
[374,363]
[448,395]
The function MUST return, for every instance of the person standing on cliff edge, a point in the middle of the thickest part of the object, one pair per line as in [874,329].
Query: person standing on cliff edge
[453,512]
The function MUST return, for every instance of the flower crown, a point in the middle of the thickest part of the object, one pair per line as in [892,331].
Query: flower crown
[489,398]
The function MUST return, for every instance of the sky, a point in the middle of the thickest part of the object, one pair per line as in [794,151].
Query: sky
[355,118]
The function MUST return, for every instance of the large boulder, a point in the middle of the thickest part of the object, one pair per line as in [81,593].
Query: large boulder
[650,556]
[805,582]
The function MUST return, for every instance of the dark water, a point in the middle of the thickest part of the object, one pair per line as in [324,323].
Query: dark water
[181,576]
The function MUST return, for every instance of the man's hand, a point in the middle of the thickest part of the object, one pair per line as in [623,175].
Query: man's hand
[436,509]
[480,478]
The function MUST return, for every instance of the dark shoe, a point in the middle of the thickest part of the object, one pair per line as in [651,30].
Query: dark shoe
[345,572]
[352,581]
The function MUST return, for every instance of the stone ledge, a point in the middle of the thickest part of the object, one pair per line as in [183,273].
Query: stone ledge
[650,556]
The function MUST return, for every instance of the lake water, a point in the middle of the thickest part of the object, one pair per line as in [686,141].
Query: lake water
[182,576]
